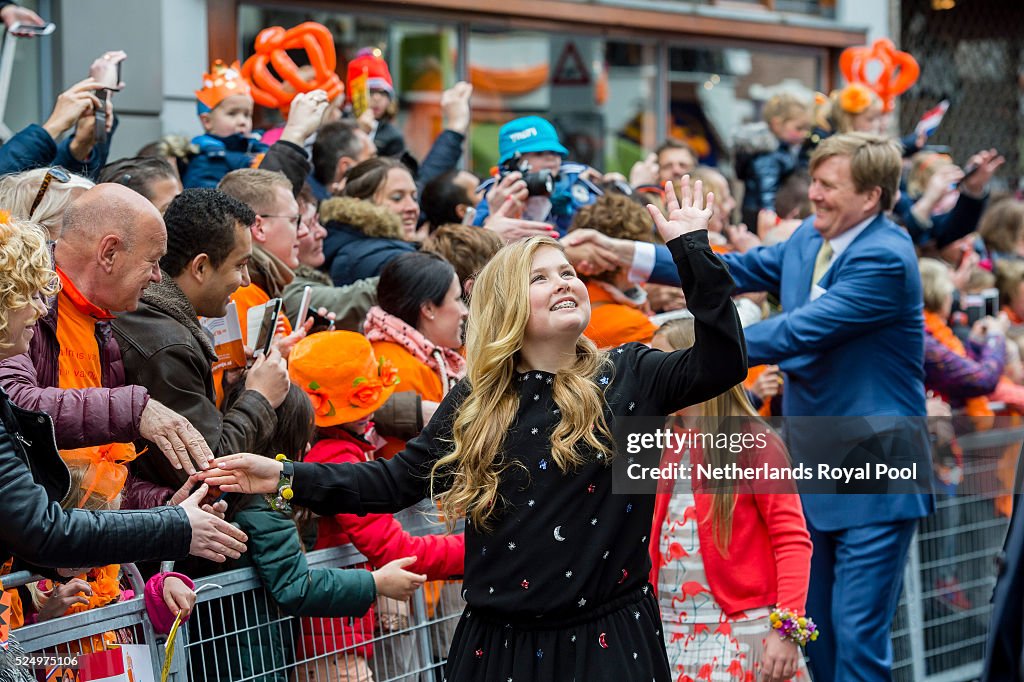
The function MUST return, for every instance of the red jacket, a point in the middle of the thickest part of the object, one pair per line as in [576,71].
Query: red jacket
[769,558]
[381,539]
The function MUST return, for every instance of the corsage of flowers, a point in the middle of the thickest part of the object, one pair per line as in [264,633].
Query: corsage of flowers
[789,625]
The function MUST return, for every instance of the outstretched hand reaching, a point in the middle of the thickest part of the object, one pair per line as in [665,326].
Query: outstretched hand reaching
[691,215]
[244,473]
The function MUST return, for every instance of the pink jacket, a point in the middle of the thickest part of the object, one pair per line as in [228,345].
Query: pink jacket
[159,614]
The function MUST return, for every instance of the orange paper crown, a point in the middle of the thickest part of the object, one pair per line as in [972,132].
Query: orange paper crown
[220,83]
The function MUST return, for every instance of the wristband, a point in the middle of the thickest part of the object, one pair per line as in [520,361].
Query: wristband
[280,502]
[788,625]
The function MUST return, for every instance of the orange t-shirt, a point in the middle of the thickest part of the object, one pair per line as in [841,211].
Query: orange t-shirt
[79,366]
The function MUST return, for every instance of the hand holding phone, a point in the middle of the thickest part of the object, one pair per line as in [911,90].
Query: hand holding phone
[31,30]
[106,69]
[321,323]
[267,326]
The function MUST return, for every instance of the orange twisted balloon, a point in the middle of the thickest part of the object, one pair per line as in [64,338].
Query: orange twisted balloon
[899,69]
[271,44]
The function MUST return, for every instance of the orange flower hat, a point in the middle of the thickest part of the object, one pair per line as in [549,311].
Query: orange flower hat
[341,376]
[855,98]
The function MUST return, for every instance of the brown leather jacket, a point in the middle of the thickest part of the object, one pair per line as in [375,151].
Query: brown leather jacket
[165,350]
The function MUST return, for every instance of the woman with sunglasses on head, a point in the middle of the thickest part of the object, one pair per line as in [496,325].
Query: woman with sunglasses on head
[556,566]
[41,195]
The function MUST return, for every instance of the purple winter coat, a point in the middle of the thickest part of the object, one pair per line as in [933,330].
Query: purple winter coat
[82,416]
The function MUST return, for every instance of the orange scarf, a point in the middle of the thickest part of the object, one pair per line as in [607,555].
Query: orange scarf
[1014,317]
[614,322]
[79,367]
[943,333]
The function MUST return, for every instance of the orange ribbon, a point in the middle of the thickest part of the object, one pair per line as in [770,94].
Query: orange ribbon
[107,472]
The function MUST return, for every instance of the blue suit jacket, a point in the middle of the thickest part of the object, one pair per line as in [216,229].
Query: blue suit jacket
[856,351]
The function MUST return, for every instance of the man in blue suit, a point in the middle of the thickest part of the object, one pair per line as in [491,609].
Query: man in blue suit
[851,342]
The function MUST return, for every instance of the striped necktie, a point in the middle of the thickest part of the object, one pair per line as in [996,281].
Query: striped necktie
[822,262]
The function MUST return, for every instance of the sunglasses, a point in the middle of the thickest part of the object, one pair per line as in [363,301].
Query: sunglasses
[56,173]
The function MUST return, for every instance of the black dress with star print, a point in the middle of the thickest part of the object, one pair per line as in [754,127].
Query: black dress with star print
[558,589]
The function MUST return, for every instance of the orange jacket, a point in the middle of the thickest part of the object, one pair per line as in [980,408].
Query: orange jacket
[413,375]
[613,324]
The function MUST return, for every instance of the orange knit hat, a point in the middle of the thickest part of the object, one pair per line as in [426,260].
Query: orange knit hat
[341,376]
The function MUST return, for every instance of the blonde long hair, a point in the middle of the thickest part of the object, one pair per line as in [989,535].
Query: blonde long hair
[498,314]
[733,403]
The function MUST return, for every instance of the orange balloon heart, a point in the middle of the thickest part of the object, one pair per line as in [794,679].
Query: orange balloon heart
[898,72]
[271,47]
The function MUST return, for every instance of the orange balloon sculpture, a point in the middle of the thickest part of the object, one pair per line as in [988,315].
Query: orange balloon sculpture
[899,70]
[270,46]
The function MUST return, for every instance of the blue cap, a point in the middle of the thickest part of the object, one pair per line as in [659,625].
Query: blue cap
[528,134]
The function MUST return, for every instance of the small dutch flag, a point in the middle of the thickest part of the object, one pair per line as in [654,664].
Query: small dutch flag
[931,119]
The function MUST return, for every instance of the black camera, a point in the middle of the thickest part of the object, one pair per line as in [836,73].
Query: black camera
[539,184]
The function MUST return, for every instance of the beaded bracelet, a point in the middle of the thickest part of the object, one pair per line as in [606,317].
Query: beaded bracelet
[789,625]
[280,502]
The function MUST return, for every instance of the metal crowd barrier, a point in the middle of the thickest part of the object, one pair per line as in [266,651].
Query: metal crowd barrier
[238,634]
[70,637]
[941,626]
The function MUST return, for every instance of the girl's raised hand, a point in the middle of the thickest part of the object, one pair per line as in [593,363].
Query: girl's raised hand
[690,213]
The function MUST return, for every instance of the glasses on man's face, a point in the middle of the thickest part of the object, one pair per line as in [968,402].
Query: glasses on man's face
[293,219]
[55,173]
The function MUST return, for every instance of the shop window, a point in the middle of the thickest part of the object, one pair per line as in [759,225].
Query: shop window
[598,94]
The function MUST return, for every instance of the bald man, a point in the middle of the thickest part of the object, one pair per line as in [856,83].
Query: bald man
[108,253]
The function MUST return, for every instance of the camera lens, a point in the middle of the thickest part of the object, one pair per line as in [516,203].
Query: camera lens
[540,184]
